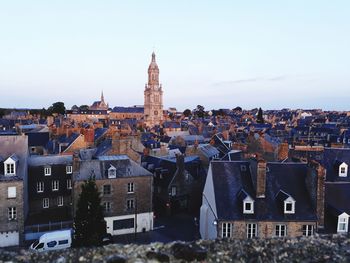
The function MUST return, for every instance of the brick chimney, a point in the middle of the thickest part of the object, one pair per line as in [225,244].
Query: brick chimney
[261,179]
[283,150]
[316,185]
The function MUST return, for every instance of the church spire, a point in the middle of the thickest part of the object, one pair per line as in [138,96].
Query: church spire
[102,97]
[153,57]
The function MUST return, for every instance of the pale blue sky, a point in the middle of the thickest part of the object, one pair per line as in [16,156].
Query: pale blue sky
[219,54]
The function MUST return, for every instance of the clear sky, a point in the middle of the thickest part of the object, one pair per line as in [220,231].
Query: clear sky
[220,54]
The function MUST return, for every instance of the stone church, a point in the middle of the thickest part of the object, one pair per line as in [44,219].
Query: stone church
[153,106]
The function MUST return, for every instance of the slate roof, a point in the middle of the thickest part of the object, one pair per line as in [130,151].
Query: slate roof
[125,167]
[128,109]
[38,138]
[229,179]
[337,195]
[332,158]
[37,160]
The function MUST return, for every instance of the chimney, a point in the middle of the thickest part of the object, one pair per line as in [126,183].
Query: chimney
[261,179]
[283,150]
[315,183]
[180,162]
[76,162]
[321,177]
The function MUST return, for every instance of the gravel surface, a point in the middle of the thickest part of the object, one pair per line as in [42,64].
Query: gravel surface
[333,248]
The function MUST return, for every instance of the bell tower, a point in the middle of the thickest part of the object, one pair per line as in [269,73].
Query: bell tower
[153,96]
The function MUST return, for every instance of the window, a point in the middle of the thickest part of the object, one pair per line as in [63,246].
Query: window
[280,230]
[173,191]
[12,213]
[46,203]
[123,224]
[343,222]
[11,192]
[63,242]
[60,201]
[130,204]
[289,206]
[10,169]
[51,244]
[130,187]
[107,206]
[248,206]
[69,184]
[55,185]
[69,169]
[251,230]
[40,187]
[112,172]
[41,245]
[47,171]
[308,230]
[343,170]
[107,189]
[226,230]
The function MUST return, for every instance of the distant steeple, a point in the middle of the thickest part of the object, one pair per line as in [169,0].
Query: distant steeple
[102,97]
[153,57]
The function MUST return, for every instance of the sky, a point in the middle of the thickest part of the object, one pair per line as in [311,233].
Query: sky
[219,54]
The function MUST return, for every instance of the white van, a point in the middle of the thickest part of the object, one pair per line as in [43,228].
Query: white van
[52,241]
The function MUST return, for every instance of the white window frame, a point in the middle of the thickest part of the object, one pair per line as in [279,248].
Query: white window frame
[55,185]
[173,191]
[343,223]
[12,213]
[131,188]
[248,200]
[40,187]
[11,192]
[69,169]
[69,183]
[226,230]
[10,168]
[60,200]
[252,230]
[46,202]
[309,230]
[280,230]
[341,172]
[112,172]
[291,201]
[47,170]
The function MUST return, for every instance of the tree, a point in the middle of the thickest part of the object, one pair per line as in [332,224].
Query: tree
[187,113]
[260,118]
[84,107]
[199,111]
[57,107]
[89,224]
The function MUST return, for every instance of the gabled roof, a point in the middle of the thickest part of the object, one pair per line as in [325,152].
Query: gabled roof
[229,178]
[332,158]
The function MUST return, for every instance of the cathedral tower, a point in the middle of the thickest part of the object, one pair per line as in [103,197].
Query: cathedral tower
[153,106]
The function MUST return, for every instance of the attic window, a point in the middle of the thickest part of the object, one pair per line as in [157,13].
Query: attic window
[112,172]
[248,207]
[289,206]
[343,170]
[10,169]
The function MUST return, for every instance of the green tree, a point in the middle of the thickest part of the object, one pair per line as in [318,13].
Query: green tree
[84,108]
[187,113]
[57,107]
[89,224]
[260,118]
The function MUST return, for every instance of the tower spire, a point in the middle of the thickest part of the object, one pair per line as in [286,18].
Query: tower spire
[102,97]
[153,57]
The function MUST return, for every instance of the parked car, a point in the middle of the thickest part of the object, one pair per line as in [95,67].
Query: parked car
[53,241]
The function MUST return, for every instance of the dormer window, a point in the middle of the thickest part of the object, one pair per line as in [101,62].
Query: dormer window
[112,172]
[289,206]
[69,169]
[343,170]
[343,223]
[248,205]
[10,165]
